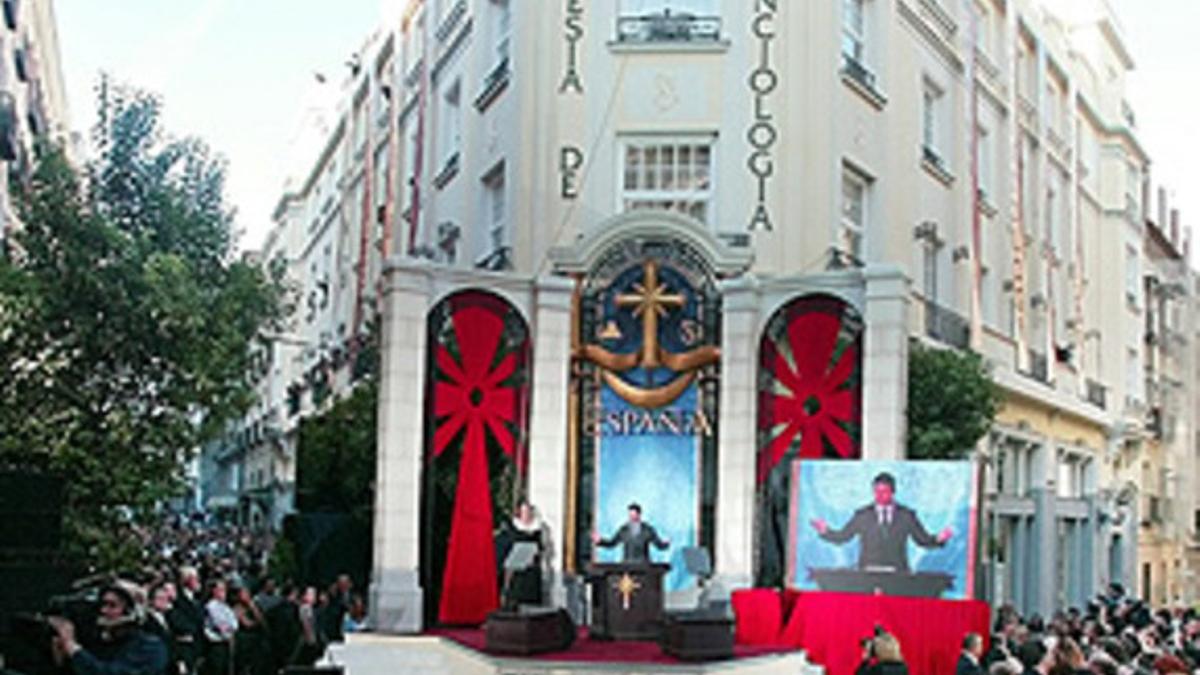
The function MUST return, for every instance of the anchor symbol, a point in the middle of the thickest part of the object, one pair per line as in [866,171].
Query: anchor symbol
[651,300]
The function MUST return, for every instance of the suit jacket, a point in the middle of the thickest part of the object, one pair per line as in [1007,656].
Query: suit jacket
[966,666]
[637,546]
[186,620]
[883,545]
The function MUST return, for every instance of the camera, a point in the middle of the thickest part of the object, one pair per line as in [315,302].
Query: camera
[27,645]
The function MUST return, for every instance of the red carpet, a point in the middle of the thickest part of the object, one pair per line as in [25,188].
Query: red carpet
[586,650]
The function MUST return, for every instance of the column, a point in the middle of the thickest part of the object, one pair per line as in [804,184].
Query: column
[885,362]
[736,448]
[396,596]
[548,480]
[1044,536]
[1018,559]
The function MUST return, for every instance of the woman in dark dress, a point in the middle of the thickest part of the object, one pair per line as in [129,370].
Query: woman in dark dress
[525,586]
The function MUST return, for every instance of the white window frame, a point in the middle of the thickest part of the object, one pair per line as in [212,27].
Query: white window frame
[986,162]
[502,28]
[1133,276]
[854,38]
[496,234]
[850,233]
[707,196]
[933,118]
[450,122]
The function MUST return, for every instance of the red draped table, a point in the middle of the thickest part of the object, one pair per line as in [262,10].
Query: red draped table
[829,626]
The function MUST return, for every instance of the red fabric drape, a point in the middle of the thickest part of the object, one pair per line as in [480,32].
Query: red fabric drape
[829,626]
[759,613]
[473,397]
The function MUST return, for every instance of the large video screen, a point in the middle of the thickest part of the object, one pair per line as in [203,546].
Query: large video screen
[884,527]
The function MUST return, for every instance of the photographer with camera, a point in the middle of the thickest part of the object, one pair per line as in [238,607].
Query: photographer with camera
[123,649]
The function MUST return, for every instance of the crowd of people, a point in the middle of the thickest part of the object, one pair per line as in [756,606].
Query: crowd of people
[1114,635]
[205,605]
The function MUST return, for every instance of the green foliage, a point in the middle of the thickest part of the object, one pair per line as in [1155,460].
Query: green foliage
[283,565]
[951,402]
[126,320]
[335,455]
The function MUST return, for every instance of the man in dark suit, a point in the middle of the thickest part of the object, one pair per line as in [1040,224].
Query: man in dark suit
[968,661]
[186,619]
[883,528]
[636,535]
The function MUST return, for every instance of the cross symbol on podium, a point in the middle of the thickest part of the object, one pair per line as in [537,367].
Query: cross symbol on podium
[626,586]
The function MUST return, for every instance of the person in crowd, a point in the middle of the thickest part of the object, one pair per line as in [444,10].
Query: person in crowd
[186,619]
[283,627]
[220,627]
[311,644]
[267,597]
[334,610]
[124,648]
[252,654]
[356,618]
[157,624]
[888,660]
[969,662]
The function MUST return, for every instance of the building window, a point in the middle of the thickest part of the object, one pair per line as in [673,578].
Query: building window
[450,131]
[853,224]
[501,28]
[1133,377]
[668,20]
[668,174]
[984,159]
[495,205]
[932,121]
[854,30]
[1133,277]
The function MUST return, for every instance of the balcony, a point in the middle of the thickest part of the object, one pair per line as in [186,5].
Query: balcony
[668,27]
[494,84]
[855,70]
[946,326]
[1039,367]
[1096,394]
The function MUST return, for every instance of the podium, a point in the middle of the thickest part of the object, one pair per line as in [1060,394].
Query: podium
[627,600]
[881,582]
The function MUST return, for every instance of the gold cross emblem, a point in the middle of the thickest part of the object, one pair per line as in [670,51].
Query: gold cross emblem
[626,586]
[650,301]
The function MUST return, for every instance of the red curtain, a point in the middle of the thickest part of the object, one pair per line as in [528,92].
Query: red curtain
[830,626]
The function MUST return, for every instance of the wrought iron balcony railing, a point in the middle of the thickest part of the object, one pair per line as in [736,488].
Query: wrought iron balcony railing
[668,27]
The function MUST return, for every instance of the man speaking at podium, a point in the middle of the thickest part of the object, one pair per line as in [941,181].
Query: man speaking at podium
[883,529]
[636,535]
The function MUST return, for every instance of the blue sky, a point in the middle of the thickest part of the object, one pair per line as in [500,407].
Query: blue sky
[233,72]
[238,73]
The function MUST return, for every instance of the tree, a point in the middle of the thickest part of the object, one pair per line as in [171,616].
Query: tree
[951,402]
[126,319]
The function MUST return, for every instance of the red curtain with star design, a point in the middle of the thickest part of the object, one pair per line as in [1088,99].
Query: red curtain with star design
[478,406]
[810,393]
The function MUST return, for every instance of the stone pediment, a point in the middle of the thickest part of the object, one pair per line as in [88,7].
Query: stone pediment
[650,226]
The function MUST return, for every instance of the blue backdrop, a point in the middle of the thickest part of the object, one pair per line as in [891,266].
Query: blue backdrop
[939,492]
[658,471]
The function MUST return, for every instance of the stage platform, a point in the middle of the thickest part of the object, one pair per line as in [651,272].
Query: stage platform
[461,652]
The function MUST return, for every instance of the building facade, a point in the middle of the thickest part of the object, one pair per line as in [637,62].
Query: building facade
[966,174]
[33,100]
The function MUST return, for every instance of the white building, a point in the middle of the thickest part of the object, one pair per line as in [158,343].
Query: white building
[964,173]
